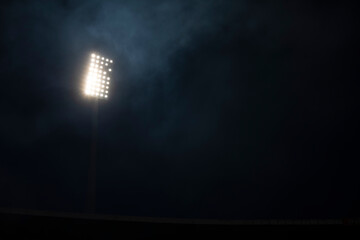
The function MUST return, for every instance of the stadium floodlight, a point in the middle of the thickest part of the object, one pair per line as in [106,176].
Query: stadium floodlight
[96,75]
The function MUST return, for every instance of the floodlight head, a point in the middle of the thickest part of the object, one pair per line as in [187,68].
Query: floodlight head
[94,86]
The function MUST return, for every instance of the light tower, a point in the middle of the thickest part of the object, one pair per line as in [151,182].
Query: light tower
[97,87]
[98,76]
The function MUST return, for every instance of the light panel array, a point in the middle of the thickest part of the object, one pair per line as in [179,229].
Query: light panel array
[98,76]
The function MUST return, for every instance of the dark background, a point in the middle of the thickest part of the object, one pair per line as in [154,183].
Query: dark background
[218,109]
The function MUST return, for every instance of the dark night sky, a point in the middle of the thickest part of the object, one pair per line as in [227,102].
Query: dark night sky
[218,109]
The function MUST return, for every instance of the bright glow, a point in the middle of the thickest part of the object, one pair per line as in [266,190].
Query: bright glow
[97,78]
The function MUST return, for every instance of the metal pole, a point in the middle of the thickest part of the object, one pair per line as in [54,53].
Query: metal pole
[91,198]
